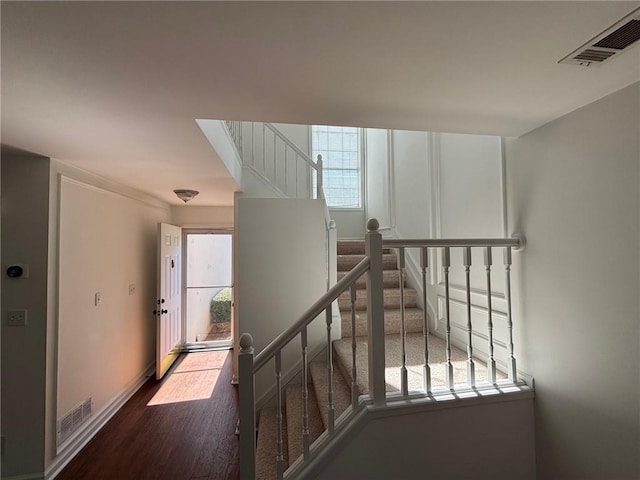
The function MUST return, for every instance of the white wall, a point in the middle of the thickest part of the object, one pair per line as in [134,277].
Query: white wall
[379,177]
[484,441]
[300,135]
[202,217]
[574,191]
[25,237]
[350,224]
[281,271]
[411,184]
[107,242]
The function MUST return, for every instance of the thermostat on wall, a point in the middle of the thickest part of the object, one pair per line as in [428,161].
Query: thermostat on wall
[17,270]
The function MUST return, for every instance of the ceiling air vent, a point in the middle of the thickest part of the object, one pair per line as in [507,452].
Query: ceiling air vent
[610,43]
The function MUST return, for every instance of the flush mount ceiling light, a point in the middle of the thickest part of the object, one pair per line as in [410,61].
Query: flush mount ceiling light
[186,195]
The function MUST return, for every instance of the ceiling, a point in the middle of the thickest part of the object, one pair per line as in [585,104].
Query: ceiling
[115,87]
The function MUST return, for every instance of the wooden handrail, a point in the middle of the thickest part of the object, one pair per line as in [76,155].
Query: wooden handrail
[515,242]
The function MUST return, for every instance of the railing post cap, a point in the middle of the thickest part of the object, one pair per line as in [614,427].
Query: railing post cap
[373,225]
[246,341]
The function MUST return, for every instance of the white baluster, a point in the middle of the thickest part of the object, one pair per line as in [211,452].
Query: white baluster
[354,383]
[330,409]
[375,314]
[253,144]
[491,362]
[305,394]
[286,170]
[275,160]
[319,176]
[297,180]
[513,374]
[264,150]
[446,264]
[426,370]
[280,442]
[471,368]
[404,378]
[247,409]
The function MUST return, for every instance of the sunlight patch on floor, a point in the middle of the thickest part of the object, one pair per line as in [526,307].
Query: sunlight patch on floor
[194,378]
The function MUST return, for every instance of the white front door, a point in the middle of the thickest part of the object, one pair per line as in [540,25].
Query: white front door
[169,303]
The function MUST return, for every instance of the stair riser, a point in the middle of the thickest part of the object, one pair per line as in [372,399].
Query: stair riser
[354,248]
[390,279]
[414,322]
[390,302]
[347,262]
[351,248]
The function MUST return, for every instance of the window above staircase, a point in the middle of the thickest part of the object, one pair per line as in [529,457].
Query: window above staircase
[341,150]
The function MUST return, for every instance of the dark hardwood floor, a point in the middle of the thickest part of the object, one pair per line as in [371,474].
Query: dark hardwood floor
[179,428]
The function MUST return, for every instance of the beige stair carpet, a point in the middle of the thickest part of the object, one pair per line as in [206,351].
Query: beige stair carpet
[415,362]
[295,409]
[267,444]
[341,389]
[414,322]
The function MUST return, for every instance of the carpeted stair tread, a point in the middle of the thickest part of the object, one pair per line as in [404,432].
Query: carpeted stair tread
[267,444]
[414,322]
[391,299]
[347,262]
[341,389]
[390,279]
[295,407]
[415,362]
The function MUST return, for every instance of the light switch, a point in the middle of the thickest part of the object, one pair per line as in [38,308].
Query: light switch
[98,299]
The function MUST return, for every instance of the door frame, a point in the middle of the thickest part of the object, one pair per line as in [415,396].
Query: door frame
[211,344]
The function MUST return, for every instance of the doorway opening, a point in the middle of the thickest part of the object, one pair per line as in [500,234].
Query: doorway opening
[208,289]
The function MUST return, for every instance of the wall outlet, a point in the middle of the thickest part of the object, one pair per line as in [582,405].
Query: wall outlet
[16,318]
[98,299]
[132,289]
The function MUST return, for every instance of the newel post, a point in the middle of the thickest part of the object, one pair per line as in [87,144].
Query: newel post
[247,409]
[375,313]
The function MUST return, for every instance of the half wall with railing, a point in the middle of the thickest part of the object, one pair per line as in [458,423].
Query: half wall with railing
[376,392]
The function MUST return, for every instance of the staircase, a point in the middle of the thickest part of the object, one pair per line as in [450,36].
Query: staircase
[413,371]
[349,254]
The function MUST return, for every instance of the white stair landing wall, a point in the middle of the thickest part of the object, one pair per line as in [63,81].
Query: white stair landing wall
[281,270]
[478,438]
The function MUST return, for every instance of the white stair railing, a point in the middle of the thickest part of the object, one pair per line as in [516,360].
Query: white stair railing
[248,366]
[268,152]
[372,265]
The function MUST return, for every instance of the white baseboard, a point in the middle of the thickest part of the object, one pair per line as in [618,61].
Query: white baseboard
[79,439]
